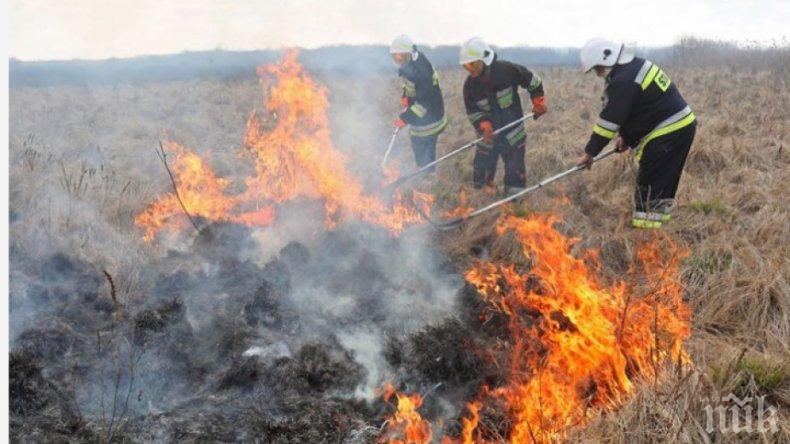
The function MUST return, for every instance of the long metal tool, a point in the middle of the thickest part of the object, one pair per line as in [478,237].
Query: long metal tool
[456,151]
[447,225]
[389,148]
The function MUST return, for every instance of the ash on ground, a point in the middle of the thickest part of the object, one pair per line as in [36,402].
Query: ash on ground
[226,347]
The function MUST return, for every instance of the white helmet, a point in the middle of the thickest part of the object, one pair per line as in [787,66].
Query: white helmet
[402,44]
[476,49]
[602,52]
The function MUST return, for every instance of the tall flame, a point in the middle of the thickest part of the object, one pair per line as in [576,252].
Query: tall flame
[293,160]
[578,343]
[406,426]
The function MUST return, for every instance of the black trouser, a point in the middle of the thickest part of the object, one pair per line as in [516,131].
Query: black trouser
[424,148]
[660,168]
[486,162]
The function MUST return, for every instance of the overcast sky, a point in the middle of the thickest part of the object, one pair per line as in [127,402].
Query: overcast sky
[95,29]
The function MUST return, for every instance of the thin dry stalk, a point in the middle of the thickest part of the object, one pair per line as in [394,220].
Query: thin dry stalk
[163,157]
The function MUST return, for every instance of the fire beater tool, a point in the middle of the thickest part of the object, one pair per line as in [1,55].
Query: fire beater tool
[450,224]
[389,148]
[389,188]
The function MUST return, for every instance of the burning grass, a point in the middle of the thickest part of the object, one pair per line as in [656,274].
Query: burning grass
[264,325]
[294,160]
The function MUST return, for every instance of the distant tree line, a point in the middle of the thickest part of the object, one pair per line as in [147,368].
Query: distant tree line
[360,60]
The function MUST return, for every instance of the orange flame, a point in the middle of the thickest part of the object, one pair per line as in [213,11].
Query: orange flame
[294,160]
[578,343]
[470,424]
[406,426]
[202,193]
[463,208]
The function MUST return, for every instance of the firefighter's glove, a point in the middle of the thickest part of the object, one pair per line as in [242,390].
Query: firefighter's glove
[399,123]
[404,102]
[538,106]
[488,131]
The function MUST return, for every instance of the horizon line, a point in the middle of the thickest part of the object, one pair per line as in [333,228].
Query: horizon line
[777,43]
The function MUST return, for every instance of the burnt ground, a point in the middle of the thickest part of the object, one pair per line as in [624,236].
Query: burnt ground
[227,352]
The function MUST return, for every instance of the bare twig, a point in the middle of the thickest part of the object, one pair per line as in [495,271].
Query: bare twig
[163,157]
[112,287]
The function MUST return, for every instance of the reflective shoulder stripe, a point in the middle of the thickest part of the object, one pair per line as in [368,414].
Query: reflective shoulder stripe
[640,76]
[675,122]
[611,126]
[601,131]
[651,74]
[430,129]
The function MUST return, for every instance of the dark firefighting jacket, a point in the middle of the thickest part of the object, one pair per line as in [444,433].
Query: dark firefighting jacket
[640,102]
[493,96]
[425,110]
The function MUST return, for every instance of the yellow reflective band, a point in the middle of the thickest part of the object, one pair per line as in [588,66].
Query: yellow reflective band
[643,223]
[409,87]
[430,129]
[662,131]
[515,136]
[418,110]
[474,117]
[601,131]
[535,82]
[649,77]
[505,98]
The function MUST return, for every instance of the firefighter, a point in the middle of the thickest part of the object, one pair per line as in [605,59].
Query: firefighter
[642,110]
[423,106]
[492,101]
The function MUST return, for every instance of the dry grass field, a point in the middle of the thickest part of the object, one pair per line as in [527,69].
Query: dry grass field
[83,165]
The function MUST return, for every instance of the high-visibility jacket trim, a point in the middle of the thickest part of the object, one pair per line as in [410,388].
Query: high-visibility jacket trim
[611,126]
[515,136]
[651,74]
[429,129]
[652,216]
[409,88]
[644,223]
[475,117]
[640,76]
[418,109]
[603,132]
[680,120]
[535,83]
